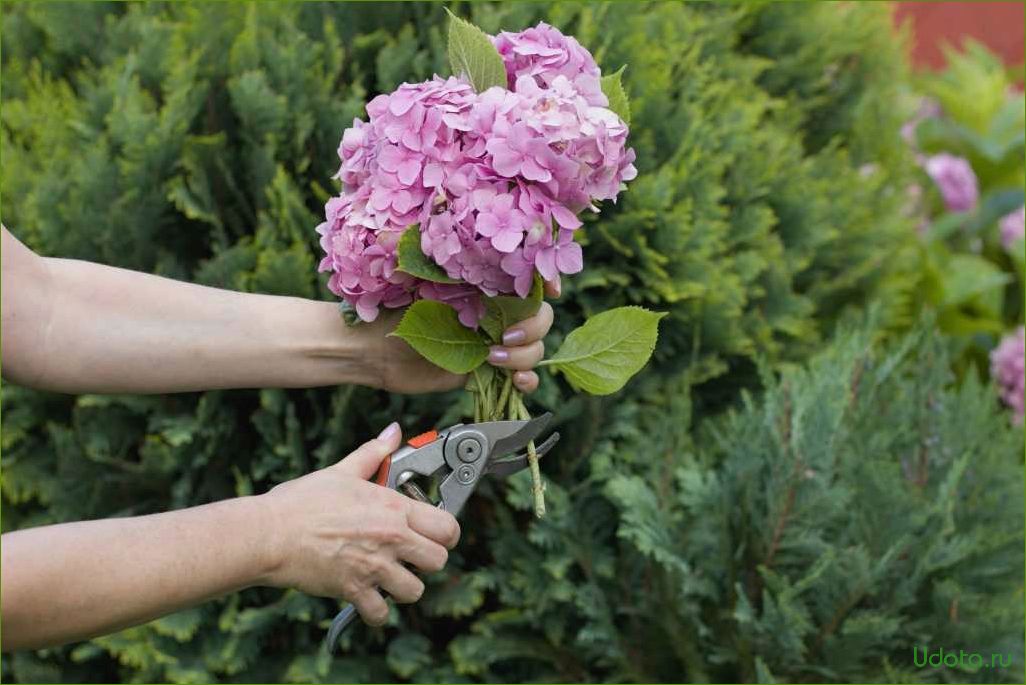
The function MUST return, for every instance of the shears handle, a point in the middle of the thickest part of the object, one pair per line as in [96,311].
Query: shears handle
[382,478]
[414,443]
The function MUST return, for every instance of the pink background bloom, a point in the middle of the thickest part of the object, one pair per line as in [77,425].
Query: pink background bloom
[955,180]
[1007,369]
[1013,227]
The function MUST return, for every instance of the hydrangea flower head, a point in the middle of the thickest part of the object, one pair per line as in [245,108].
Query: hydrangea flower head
[1007,369]
[494,181]
[955,180]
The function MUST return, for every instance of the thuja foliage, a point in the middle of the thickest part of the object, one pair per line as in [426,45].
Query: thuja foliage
[195,141]
[816,534]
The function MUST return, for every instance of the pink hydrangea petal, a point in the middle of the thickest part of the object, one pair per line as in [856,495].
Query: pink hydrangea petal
[506,162]
[390,157]
[569,259]
[534,172]
[367,306]
[545,261]
[565,217]
[402,201]
[523,282]
[487,224]
[408,171]
[432,175]
[400,103]
[507,240]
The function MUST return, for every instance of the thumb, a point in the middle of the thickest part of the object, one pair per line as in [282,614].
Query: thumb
[363,462]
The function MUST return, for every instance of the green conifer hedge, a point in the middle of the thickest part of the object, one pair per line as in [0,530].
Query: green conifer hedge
[198,140]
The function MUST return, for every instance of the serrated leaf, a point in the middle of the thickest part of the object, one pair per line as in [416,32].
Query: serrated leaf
[407,654]
[472,55]
[502,311]
[413,261]
[434,330]
[612,87]
[602,355]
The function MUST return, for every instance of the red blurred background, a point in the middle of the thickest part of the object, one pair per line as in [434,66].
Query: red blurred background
[998,25]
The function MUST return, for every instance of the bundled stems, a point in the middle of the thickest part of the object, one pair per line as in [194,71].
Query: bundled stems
[500,406]
[499,400]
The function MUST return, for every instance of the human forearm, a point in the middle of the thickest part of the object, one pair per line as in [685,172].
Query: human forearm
[330,533]
[114,330]
[80,327]
[76,580]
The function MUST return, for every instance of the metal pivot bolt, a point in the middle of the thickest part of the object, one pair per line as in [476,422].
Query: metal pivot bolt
[468,449]
[465,474]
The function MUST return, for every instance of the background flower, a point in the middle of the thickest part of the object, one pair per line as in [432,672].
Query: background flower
[955,179]
[1013,227]
[1007,369]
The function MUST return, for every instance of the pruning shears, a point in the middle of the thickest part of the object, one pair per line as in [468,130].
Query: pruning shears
[458,457]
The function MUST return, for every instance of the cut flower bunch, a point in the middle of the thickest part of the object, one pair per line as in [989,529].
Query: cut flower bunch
[460,195]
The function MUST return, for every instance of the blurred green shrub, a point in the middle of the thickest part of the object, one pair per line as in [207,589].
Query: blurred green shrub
[198,140]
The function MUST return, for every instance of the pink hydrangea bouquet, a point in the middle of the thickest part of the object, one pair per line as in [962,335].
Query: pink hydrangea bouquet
[461,194]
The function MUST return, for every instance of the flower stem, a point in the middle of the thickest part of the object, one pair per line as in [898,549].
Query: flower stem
[500,406]
[537,486]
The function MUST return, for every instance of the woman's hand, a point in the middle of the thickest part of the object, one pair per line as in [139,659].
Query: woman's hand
[400,368]
[336,534]
[328,533]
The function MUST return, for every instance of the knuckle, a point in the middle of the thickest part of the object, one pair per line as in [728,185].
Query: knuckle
[364,571]
[378,566]
[396,502]
[394,534]
[350,589]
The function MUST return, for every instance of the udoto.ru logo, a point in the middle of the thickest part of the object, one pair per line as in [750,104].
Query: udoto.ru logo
[970,661]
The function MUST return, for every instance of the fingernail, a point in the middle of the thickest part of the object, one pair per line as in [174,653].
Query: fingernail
[498,355]
[513,336]
[390,431]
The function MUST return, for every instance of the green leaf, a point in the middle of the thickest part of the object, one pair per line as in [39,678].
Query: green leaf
[407,654]
[413,261]
[182,625]
[965,276]
[503,311]
[613,89]
[472,55]
[602,355]
[433,329]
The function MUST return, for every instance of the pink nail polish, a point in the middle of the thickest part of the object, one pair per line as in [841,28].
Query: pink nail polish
[513,336]
[498,355]
[389,432]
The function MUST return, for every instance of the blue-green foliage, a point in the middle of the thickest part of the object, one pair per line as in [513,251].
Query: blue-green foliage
[198,141]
